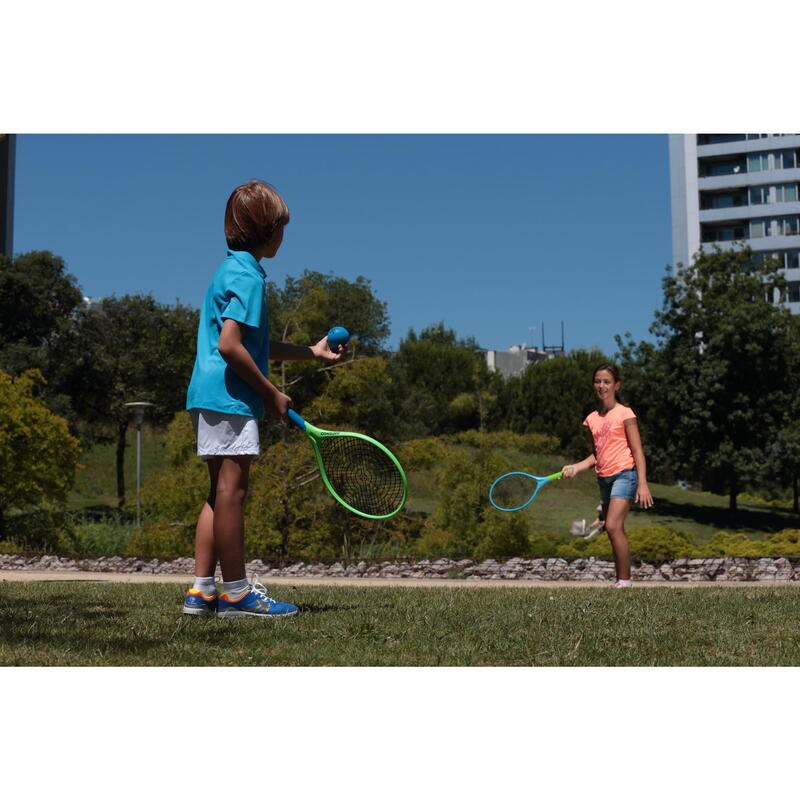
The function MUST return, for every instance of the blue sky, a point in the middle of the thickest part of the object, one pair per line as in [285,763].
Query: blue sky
[492,234]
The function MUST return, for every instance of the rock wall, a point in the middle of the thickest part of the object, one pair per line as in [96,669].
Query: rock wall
[718,570]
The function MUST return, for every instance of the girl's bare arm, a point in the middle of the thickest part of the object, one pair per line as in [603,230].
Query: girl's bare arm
[643,496]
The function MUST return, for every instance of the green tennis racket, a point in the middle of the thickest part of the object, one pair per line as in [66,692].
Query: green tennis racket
[358,471]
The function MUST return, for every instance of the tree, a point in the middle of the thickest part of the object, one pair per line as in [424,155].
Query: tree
[714,388]
[303,311]
[430,371]
[134,348]
[38,303]
[552,396]
[38,455]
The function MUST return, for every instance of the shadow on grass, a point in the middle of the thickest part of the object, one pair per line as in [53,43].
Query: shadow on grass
[768,520]
[61,622]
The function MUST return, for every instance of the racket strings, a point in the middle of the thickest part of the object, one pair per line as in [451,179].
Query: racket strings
[362,474]
[513,491]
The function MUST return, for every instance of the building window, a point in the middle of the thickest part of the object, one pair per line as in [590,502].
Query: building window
[785,159]
[789,226]
[786,193]
[792,259]
[757,162]
[759,195]
[793,292]
[718,200]
[759,228]
[710,169]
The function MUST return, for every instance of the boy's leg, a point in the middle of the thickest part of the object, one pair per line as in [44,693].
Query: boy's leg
[205,551]
[615,513]
[228,515]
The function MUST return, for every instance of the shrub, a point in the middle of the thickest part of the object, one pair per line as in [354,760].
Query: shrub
[532,443]
[648,543]
[162,540]
[421,453]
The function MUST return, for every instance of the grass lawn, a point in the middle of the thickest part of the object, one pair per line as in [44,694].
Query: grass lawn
[88,624]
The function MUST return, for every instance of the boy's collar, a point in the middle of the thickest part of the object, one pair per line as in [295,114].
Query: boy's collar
[243,256]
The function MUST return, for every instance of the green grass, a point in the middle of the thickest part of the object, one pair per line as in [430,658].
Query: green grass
[91,624]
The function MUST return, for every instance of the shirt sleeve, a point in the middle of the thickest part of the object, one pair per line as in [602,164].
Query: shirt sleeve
[244,300]
[627,413]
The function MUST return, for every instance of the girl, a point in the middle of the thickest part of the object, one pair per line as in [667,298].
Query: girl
[230,391]
[619,462]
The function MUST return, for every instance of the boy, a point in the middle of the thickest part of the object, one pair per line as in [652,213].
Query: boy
[230,391]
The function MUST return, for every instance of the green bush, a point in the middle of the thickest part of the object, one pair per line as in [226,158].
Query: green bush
[648,543]
[421,453]
[97,538]
[532,443]
[162,540]
[40,531]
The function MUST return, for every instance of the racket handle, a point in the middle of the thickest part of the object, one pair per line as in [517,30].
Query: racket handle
[554,476]
[296,419]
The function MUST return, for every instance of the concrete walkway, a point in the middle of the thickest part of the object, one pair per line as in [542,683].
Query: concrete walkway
[55,576]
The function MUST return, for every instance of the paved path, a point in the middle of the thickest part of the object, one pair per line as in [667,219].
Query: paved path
[54,576]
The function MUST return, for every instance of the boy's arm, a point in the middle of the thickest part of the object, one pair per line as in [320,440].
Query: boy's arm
[241,362]
[283,351]
[643,496]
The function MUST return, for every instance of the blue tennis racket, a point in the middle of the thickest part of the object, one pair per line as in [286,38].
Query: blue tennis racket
[515,490]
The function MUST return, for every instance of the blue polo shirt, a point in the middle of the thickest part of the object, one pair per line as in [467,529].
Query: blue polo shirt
[238,292]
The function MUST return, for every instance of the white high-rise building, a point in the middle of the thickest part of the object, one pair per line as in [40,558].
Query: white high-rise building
[737,187]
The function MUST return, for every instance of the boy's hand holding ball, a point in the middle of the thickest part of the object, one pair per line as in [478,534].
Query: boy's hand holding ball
[333,346]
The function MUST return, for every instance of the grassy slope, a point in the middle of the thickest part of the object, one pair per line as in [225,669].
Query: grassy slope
[96,480]
[117,624]
[561,502]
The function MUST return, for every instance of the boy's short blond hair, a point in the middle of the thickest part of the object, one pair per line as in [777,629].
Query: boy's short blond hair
[254,212]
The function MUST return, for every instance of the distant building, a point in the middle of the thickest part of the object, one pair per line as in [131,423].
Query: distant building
[7,154]
[514,360]
[737,187]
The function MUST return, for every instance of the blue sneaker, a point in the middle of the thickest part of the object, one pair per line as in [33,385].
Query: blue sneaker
[254,603]
[195,602]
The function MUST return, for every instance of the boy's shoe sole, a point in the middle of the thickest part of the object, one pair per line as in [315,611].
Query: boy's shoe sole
[197,611]
[231,612]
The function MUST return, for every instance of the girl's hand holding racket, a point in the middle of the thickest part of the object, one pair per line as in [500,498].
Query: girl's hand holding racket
[568,471]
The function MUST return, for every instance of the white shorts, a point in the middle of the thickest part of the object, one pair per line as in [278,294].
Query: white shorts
[224,434]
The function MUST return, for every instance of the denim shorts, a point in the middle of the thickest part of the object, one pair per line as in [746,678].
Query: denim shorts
[624,484]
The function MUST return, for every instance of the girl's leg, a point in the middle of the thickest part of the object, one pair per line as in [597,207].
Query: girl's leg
[615,513]
[205,552]
[228,515]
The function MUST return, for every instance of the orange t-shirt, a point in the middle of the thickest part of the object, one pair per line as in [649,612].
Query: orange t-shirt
[611,446]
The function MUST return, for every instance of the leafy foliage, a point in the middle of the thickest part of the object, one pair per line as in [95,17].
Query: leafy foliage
[38,458]
[552,396]
[714,393]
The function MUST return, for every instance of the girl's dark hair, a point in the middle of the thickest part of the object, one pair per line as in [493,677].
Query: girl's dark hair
[609,368]
[254,212]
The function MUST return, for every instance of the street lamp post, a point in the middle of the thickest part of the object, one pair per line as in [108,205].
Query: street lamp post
[138,418]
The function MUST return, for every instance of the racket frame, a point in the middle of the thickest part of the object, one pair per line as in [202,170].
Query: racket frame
[539,483]
[313,434]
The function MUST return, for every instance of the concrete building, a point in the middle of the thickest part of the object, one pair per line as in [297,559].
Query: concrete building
[737,187]
[7,153]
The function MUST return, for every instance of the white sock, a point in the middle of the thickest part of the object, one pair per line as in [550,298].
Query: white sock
[235,588]
[206,585]
[624,582]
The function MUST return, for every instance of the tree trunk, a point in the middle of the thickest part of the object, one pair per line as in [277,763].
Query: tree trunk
[734,491]
[122,429]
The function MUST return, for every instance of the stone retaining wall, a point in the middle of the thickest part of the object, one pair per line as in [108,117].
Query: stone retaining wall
[720,570]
